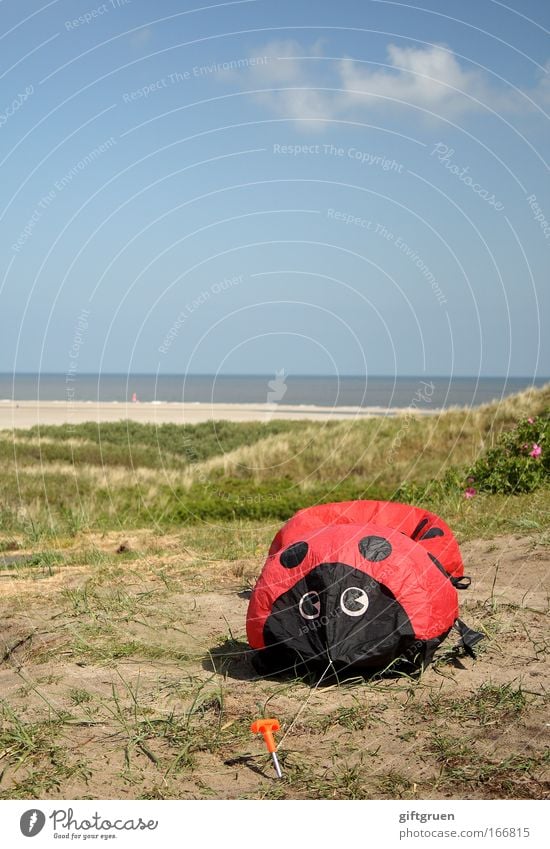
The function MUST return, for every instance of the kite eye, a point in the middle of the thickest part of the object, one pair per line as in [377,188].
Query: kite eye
[354,601]
[375,548]
[310,605]
[293,555]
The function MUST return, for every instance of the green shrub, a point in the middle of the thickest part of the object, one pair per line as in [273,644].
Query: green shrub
[519,462]
[231,498]
[512,466]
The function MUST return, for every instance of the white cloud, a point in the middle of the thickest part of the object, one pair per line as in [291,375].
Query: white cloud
[541,92]
[430,78]
[141,37]
[286,68]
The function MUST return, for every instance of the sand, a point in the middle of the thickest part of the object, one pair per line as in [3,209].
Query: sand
[154,631]
[24,414]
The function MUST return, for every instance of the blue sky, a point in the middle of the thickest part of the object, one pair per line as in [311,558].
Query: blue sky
[254,186]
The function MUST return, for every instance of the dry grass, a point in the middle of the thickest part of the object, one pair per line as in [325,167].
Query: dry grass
[387,451]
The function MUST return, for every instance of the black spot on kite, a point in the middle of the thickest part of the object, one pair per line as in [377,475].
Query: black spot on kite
[433,532]
[293,555]
[375,548]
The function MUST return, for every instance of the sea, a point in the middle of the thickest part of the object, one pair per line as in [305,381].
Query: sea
[293,389]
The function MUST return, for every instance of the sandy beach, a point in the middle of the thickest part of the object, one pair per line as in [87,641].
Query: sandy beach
[25,414]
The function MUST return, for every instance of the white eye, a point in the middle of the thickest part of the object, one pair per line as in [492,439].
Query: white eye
[310,605]
[354,601]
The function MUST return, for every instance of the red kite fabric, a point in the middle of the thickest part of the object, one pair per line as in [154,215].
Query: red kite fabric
[357,585]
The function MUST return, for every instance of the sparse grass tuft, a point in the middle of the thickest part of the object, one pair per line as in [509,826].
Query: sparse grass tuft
[490,704]
[462,764]
[34,756]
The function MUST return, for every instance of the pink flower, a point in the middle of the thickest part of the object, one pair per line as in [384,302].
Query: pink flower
[536,451]
[531,420]
[470,479]
[470,492]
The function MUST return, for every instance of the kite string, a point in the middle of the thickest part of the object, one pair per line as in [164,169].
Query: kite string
[292,724]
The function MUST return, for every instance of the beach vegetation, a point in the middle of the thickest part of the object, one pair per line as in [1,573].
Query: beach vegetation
[66,479]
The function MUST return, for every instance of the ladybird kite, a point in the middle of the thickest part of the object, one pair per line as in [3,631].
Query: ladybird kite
[358,586]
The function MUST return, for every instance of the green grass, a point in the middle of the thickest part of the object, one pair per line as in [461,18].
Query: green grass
[131,445]
[57,481]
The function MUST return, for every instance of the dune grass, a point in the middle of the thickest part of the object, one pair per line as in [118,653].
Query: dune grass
[62,479]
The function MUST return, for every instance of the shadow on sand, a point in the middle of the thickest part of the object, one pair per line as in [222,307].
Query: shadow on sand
[235,659]
[232,659]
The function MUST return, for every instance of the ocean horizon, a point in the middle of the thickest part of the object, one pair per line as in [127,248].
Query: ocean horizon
[292,389]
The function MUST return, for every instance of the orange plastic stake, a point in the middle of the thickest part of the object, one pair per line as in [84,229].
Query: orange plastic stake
[266,727]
